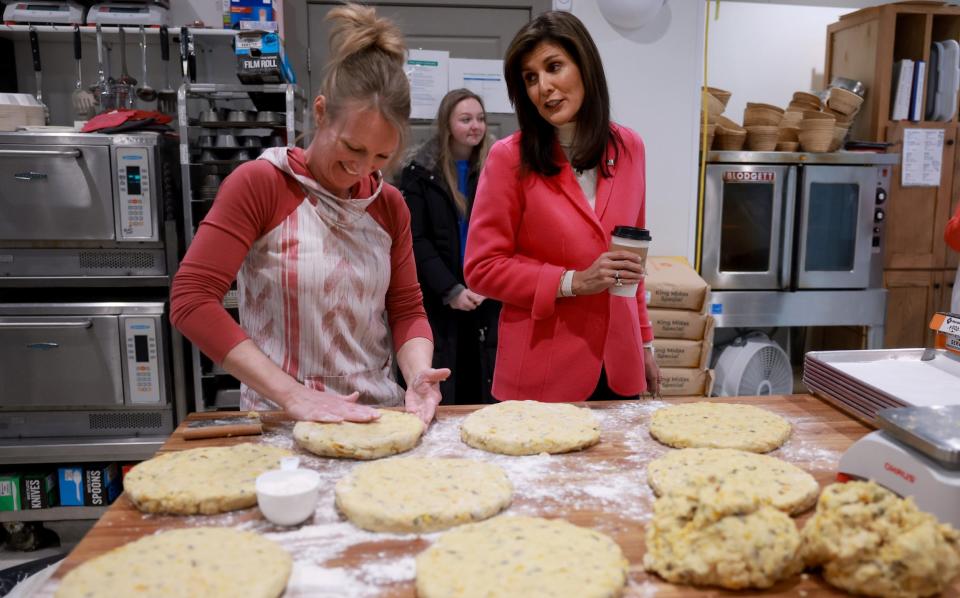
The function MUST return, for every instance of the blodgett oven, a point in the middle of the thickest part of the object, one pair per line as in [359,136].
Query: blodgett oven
[794,220]
[792,239]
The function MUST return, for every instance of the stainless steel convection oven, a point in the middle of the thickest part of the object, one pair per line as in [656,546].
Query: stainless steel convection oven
[796,239]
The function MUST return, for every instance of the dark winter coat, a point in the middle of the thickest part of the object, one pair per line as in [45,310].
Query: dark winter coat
[436,247]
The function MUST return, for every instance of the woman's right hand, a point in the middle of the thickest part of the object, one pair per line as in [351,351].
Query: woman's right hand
[320,406]
[602,273]
[467,300]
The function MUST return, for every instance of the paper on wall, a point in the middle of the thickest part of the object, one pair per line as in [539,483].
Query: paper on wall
[484,78]
[922,157]
[428,72]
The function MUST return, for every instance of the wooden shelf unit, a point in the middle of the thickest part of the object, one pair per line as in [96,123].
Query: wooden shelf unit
[864,46]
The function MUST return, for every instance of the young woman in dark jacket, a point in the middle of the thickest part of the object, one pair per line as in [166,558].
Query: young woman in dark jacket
[439,184]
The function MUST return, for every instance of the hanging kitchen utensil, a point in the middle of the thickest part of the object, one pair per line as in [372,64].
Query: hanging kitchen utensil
[166,97]
[125,78]
[35,50]
[145,93]
[188,57]
[104,90]
[84,104]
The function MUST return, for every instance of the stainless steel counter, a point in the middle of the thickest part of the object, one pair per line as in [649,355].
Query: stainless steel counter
[827,158]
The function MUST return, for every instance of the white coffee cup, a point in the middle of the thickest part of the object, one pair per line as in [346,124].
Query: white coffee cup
[635,240]
[288,496]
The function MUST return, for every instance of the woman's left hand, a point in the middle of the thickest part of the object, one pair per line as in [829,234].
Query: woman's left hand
[652,373]
[423,393]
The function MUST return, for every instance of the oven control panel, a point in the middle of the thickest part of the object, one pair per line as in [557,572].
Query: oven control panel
[143,361]
[135,198]
[879,208]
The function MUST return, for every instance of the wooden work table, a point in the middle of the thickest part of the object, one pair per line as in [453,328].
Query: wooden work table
[602,487]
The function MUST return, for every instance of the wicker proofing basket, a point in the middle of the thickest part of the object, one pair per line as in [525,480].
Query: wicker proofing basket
[721,94]
[725,123]
[729,140]
[788,146]
[788,133]
[762,138]
[816,141]
[843,101]
[839,135]
[712,106]
[761,116]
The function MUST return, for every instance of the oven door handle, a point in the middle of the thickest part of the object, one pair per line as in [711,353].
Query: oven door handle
[46,325]
[74,153]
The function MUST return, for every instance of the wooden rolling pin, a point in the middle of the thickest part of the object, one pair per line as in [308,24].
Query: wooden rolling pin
[222,428]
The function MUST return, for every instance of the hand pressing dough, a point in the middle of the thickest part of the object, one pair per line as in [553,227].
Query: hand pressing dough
[783,485]
[196,562]
[202,480]
[521,556]
[723,537]
[422,495]
[870,541]
[394,432]
[719,425]
[530,427]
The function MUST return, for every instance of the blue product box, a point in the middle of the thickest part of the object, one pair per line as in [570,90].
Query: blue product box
[70,480]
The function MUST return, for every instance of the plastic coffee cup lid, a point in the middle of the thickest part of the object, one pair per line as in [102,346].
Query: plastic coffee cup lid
[632,232]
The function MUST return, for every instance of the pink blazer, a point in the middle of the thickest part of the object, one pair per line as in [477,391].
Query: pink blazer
[524,232]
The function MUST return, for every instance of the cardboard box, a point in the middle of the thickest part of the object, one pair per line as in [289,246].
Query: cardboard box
[10,492]
[245,14]
[685,382]
[101,484]
[946,327]
[673,284]
[39,490]
[675,323]
[70,482]
[260,59]
[679,353]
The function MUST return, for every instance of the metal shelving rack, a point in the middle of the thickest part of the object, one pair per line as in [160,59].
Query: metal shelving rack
[192,98]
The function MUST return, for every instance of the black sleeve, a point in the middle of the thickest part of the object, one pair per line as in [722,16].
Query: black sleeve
[435,277]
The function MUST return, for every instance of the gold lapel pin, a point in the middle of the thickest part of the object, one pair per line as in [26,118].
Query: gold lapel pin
[610,162]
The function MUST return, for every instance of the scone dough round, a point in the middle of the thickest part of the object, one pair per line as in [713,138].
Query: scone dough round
[781,484]
[870,541]
[719,425]
[720,537]
[422,495]
[521,556]
[530,427]
[202,480]
[394,432]
[195,562]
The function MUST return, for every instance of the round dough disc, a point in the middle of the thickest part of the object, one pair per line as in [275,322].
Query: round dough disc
[203,561]
[783,485]
[394,432]
[521,556]
[530,427]
[203,480]
[422,495]
[720,537]
[719,425]
[870,541]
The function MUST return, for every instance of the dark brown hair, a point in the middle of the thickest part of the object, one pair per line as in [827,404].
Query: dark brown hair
[593,120]
[445,158]
[367,54]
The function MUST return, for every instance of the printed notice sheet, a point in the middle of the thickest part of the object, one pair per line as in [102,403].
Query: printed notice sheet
[428,71]
[484,78]
[922,157]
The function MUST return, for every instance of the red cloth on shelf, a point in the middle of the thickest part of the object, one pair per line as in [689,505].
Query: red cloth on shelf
[115,118]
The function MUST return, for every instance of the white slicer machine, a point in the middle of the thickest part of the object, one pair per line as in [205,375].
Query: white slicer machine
[915,453]
[132,14]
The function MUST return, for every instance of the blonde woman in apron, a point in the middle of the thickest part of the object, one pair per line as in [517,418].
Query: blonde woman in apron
[321,250]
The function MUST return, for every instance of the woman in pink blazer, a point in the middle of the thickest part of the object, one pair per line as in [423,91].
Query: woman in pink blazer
[548,199]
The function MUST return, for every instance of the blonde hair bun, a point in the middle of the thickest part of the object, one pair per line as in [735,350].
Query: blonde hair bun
[357,28]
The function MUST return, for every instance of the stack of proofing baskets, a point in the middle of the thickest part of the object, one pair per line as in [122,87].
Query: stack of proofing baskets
[677,300]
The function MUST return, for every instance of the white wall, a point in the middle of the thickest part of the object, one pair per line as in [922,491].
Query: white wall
[654,76]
